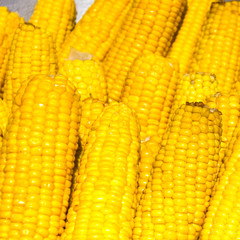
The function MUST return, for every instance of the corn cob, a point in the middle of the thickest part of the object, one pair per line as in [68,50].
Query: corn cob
[9,22]
[55,17]
[31,53]
[104,199]
[218,48]
[195,87]
[178,191]
[149,151]
[148,28]
[38,158]
[222,218]
[95,32]
[149,91]
[190,31]
[91,110]
[87,76]
[229,106]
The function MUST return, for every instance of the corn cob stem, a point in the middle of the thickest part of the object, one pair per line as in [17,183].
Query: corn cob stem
[37,159]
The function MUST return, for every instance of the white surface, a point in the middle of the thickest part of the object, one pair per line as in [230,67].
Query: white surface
[25,7]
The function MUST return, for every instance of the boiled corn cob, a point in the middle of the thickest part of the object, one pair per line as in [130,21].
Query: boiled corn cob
[229,106]
[55,17]
[95,32]
[189,33]
[149,91]
[31,52]
[37,163]
[9,22]
[87,76]
[148,28]
[218,49]
[104,199]
[178,192]
[195,87]
[222,218]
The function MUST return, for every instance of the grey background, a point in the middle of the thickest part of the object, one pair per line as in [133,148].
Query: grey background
[25,7]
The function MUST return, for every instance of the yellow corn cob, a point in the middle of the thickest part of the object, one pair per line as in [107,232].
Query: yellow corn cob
[87,76]
[9,22]
[4,113]
[37,164]
[195,87]
[95,32]
[104,199]
[55,17]
[222,218]
[179,189]
[218,49]
[149,91]
[149,151]
[229,106]
[189,33]
[31,53]
[148,28]
[91,110]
